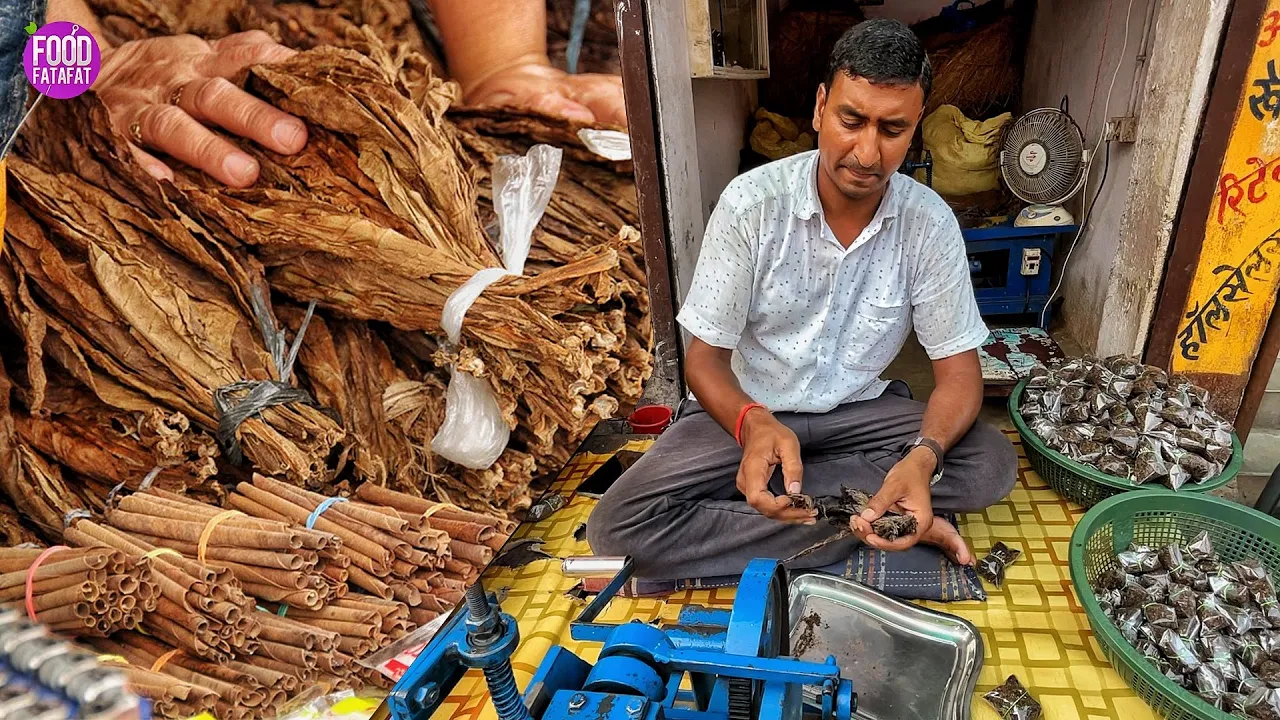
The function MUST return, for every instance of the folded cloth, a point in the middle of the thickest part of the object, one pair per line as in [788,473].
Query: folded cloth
[14,17]
[920,573]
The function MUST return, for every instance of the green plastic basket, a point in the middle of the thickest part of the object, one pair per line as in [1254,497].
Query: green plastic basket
[1085,485]
[1156,518]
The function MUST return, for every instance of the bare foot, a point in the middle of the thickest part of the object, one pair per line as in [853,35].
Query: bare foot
[945,536]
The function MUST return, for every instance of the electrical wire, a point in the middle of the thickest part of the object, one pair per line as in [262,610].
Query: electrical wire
[1088,213]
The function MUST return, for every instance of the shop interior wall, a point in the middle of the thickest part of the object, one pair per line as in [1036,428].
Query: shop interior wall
[721,112]
[1075,49]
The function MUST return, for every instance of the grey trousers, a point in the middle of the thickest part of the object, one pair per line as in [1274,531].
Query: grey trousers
[678,513]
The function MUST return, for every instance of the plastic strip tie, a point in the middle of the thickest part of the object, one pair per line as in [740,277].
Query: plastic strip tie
[242,400]
[147,479]
[31,576]
[203,546]
[324,505]
[74,515]
[474,432]
[113,660]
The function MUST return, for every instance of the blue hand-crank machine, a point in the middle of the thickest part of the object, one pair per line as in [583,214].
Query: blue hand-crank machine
[735,663]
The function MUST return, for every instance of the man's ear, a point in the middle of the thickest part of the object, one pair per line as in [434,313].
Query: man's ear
[819,105]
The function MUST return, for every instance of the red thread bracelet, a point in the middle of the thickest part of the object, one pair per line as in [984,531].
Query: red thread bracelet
[742,415]
[31,576]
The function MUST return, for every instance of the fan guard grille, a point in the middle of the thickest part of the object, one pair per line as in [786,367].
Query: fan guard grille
[1063,159]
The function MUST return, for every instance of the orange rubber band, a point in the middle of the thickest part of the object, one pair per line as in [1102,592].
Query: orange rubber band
[160,661]
[31,576]
[214,522]
[742,416]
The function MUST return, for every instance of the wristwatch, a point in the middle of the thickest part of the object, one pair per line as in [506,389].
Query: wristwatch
[937,454]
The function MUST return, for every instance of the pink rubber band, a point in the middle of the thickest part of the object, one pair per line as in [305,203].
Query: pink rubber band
[31,576]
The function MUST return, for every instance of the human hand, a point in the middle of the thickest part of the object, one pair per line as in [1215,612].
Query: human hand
[585,98]
[905,490]
[163,91]
[767,443]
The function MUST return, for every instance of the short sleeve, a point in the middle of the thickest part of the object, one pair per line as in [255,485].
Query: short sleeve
[944,309]
[719,300]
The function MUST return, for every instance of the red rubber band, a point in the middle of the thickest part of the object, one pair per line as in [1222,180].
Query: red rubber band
[31,576]
[742,415]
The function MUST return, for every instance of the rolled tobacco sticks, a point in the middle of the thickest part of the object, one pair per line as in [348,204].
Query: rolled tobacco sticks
[237,693]
[390,555]
[273,560]
[85,591]
[199,608]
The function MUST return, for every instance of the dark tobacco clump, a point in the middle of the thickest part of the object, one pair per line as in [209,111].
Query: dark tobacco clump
[801,501]
[840,510]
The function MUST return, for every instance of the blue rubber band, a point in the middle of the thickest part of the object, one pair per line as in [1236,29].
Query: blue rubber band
[315,514]
[311,524]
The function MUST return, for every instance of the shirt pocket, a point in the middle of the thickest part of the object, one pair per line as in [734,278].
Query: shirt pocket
[875,335]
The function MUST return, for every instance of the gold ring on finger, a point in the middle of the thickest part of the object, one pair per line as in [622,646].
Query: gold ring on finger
[175,97]
[135,129]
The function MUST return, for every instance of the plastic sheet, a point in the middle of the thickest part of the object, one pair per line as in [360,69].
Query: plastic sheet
[992,567]
[1012,701]
[1113,579]
[1177,650]
[1263,704]
[1138,560]
[1183,600]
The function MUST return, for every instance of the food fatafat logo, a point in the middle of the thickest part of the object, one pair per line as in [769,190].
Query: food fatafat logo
[61,60]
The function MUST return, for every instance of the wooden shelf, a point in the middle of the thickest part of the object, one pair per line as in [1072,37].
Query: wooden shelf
[702,19]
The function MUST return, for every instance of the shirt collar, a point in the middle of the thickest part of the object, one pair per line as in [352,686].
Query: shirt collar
[805,191]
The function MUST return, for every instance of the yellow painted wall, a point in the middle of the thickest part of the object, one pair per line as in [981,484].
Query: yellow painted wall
[1235,282]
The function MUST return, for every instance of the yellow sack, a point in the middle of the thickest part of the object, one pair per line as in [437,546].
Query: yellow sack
[776,137]
[966,153]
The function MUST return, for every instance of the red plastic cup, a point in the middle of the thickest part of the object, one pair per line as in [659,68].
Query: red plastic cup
[650,419]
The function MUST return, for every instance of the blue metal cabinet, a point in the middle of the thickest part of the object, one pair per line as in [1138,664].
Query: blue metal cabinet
[996,264]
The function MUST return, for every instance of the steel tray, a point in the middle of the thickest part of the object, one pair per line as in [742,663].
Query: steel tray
[906,662]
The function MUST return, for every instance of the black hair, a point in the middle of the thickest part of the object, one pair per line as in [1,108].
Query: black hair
[885,52]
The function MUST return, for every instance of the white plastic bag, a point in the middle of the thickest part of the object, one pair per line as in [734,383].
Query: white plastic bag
[474,433]
[609,144]
[394,660]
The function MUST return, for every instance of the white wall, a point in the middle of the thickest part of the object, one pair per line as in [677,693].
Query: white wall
[1066,56]
[721,112]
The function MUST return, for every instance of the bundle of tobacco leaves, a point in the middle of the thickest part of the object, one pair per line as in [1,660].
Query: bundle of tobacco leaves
[381,216]
[120,304]
[105,448]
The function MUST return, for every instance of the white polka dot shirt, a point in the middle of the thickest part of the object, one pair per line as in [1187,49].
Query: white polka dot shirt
[812,324]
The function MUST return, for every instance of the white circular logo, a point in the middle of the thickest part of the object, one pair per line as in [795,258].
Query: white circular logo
[1033,158]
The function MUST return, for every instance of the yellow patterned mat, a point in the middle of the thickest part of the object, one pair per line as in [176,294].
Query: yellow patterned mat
[1033,627]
